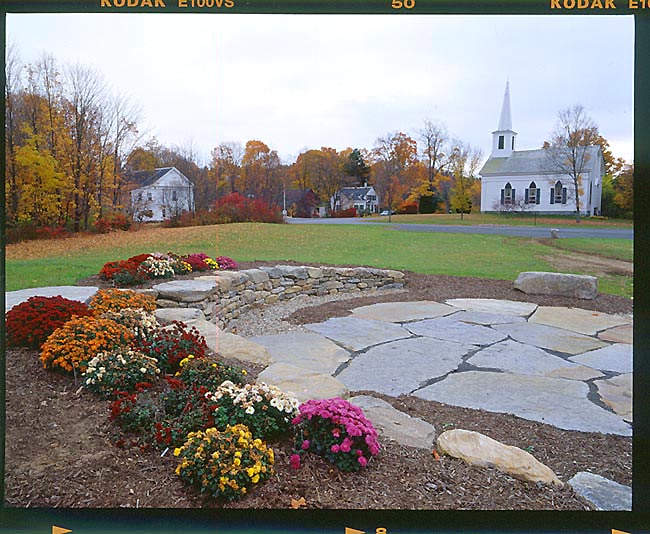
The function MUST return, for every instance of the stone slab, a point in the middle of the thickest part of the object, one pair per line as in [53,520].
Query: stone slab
[306,350]
[554,401]
[617,358]
[402,366]
[487,318]
[514,357]
[619,334]
[302,383]
[603,494]
[550,338]
[616,392]
[356,334]
[80,293]
[481,450]
[167,315]
[396,425]
[586,322]
[186,290]
[233,346]
[568,285]
[509,307]
[450,329]
[400,312]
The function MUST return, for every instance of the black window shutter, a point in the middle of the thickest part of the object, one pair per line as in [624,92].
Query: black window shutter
[503,195]
[552,195]
[513,197]
[537,199]
[564,195]
[526,196]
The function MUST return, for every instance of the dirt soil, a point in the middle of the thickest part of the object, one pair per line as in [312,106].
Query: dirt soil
[61,448]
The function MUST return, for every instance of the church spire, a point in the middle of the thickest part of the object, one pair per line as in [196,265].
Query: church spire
[503,139]
[505,122]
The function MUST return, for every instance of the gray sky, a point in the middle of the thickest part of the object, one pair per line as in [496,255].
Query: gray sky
[304,81]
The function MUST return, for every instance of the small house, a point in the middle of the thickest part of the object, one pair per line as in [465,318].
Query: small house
[160,194]
[363,199]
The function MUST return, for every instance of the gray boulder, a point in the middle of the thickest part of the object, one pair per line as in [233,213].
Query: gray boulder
[566,285]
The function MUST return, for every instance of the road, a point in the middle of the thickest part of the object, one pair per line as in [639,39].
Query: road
[518,231]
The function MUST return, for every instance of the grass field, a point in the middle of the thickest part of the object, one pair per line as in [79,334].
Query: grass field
[63,262]
[618,249]
[512,219]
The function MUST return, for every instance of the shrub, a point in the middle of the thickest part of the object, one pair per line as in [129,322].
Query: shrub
[135,412]
[235,207]
[207,372]
[197,262]
[408,207]
[224,465]
[350,212]
[225,263]
[123,273]
[140,322]
[172,344]
[154,267]
[29,323]
[81,339]
[119,370]
[336,430]
[264,409]
[118,299]
[112,221]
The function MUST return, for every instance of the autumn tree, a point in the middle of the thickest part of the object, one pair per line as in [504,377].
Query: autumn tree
[12,88]
[260,175]
[435,152]
[396,168]
[568,151]
[464,162]
[226,166]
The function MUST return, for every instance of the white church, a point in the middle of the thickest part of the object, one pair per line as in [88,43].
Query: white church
[524,180]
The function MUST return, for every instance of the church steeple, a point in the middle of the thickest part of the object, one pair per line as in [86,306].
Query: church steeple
[503,139]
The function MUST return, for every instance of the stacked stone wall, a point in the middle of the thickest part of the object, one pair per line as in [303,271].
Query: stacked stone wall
[224,297]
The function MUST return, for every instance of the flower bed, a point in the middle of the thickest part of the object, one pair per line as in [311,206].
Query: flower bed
[150,266]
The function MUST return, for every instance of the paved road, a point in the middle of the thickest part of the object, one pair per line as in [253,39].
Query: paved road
[519,231]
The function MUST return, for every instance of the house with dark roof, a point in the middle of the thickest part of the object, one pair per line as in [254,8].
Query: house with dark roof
[160,194]
[363,199]
[516,180]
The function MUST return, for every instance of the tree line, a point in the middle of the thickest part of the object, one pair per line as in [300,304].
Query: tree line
[72,143]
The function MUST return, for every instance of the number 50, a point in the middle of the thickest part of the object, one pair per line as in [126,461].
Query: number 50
[399,4]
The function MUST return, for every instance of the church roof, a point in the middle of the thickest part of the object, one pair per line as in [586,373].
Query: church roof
[525,162]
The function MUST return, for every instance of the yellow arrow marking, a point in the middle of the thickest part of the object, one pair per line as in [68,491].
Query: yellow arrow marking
[353,531]
[614,531]
[59,530]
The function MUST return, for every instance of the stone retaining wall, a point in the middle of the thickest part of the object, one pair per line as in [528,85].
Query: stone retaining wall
[230,293]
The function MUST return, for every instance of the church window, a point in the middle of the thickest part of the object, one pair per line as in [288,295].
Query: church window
[174,196]
[507,195]
[532,194]
[502,142]
[513,142]
[558,193]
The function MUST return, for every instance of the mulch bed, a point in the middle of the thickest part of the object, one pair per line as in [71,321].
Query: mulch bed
[61,452]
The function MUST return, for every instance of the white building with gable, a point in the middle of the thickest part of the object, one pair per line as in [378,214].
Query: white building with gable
[525,180]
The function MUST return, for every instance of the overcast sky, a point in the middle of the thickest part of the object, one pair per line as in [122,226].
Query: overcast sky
[304,81]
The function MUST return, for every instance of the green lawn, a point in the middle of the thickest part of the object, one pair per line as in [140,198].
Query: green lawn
[618,249]
[486,256]
[512,219]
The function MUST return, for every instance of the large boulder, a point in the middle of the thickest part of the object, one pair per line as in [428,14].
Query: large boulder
[561,284]
[478,449]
